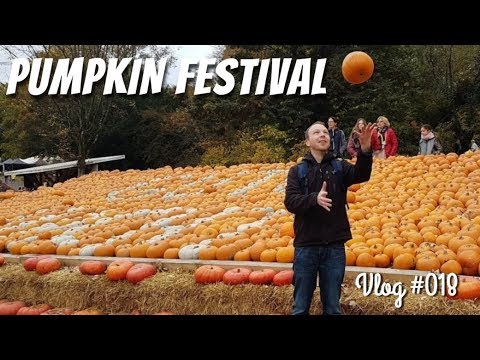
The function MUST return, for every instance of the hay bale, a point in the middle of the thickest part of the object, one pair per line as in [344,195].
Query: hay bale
[355,302]
[174,291]
[177,292]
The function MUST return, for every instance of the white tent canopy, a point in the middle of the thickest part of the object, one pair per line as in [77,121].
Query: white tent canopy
[36,160]
[32,161]
[62,165]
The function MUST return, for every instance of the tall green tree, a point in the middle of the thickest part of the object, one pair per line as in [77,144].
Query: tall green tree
[451,72]
[84,119]
[22,132]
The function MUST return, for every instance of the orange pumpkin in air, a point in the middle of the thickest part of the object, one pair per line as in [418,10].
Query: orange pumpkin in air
[357,67]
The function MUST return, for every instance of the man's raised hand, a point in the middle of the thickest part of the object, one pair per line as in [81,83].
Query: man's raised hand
[365,137]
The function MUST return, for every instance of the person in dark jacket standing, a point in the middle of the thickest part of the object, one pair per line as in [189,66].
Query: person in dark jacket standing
[321,224]
[338,144]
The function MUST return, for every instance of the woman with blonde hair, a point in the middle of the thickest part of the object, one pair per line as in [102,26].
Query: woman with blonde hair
[384,140]
[353,143]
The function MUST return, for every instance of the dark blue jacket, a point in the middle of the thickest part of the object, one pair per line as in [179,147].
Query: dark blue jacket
[338,143]
[313,224]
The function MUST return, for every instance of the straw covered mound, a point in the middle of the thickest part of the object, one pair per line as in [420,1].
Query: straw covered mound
[177,292]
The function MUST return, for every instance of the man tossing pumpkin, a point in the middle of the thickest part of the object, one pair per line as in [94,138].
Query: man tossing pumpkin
[316,193]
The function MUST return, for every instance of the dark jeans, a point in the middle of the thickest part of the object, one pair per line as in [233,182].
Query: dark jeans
[329,263]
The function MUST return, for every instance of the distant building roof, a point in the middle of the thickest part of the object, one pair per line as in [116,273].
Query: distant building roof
[14,162]
[36,160]
[62,165]
[33,161]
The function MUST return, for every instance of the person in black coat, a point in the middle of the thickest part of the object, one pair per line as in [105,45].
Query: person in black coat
[321,224]
[338,143]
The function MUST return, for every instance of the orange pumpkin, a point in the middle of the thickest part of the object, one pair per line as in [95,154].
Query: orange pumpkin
[261,277]
[404,261]
[209,274]
[365,259]
[284,277]
[92,267]
[34,309]
[357,67]
[11,307]
[286,229]
[58,311]
[451,266]
[31,263]
[139,272]
[236,276]
[468,288]
[285,254]
[427,263]
[381,260]
[47,265]
[118,269]
[469,260]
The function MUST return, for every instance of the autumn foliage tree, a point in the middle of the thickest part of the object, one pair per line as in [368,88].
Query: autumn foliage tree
[82,119]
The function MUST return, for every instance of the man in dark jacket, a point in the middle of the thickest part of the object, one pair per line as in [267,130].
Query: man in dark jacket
[321,223]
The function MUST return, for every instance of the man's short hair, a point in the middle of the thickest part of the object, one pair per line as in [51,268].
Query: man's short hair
[315,123]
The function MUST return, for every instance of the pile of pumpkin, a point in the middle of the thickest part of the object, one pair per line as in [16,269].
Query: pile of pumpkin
[212,274]
[419,212]
[121,269]
[17,307]
[126,288]
[210,290]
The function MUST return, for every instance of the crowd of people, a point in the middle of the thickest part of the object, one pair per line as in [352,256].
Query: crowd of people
[384,141]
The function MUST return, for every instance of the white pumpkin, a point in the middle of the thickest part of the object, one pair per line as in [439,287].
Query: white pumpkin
[58,239]
[190,252]
[73,242]
[88,250]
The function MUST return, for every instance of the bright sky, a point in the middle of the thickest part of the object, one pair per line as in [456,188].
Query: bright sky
[181,51]
[188,51]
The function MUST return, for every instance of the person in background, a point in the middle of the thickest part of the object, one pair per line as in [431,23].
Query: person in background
[474,146]
[458,146]
[338,144]
[321,222]
[353,145]
[429,143]
[384,140]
